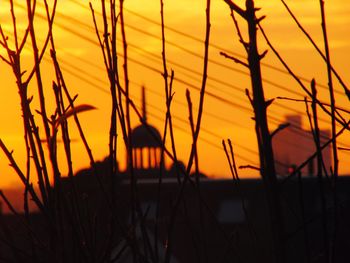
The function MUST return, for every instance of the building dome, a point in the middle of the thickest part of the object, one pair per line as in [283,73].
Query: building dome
[144,136]
[146,145]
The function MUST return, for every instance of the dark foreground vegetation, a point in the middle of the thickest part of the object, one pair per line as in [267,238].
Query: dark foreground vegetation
[109,215]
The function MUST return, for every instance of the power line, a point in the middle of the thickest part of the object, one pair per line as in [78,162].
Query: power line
[221,82]
[272,83]
[218,47]
[158,71]
[105,91]
[295,129]
[210,94]
[217,80]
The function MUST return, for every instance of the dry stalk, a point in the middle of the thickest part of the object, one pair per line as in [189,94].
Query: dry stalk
[167,126]
[335,167]
[320,164]
[230,156]
[296,78]
[267,167]
[195,137]
[197,175]
[346,126]
[346,90]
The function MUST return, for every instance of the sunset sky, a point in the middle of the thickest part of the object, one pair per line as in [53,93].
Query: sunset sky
[227,112]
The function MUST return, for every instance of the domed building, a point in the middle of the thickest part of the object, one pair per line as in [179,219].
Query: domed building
[147,155]
[146,143]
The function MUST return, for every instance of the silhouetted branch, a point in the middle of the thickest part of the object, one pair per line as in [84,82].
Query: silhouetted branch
[301,166]
[240,36]
[346,90]
[30,128]
[196,132]
[343,149]
[333,131]
[230,160]
[280,128]
[236,8]
[320,164]
[310,101]
[295,76]
[249,167]
[266,158]
[236,60]
[21,175]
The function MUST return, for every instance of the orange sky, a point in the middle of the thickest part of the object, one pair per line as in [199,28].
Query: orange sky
[82,65]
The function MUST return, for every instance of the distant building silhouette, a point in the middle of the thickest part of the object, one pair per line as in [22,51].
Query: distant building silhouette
[293,145]
[146,145]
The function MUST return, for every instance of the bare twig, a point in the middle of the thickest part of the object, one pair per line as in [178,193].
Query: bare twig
[338,108]
[197,129]
[346,90]
[333,130]
[267,162]
[240,36]
[320,164]
[326,144]
[22,176]
[236,8]
[297,79]
[236,60]
[249,167]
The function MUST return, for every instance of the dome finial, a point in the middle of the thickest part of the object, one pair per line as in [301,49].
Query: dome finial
[144,113]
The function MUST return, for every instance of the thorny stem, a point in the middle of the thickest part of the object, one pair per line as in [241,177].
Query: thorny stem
[25,205]
[194,147]
[29,125]
[187,178]
[267,168]
[14,23]
[268,172]
[297,79]
[135,208]
[76,217]
[109,60]
[346,90]
[197,175]
[316,135]
[108,48]
[326,144]
[22,177]
[236,180]
[50,21]
[168,123]
[171,128]
[204,79]
[334,142]
[37,70]
[43,113]
[195,137]
[337,108]
[240,36]
[331,91]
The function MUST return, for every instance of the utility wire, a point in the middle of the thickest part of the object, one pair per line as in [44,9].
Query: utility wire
[218,47]
[188,51]
[239,106]
[191,52]
[294,129]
